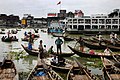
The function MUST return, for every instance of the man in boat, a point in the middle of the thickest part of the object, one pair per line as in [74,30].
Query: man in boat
[8,33]
[25,34]
[29,45]
[50,51]
[30,37]
[54,60]
[45,51]
[41,50]
[112,38]
[80,41]
[115,37]
[58,43]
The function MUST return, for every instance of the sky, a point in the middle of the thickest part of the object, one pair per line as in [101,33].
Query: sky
[40,8]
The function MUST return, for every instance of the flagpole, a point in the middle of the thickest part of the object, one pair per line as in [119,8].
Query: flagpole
[60,6]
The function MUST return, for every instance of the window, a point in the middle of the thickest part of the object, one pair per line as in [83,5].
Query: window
[75,27]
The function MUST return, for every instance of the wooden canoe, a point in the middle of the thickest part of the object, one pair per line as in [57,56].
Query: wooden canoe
[57,34]
[110,71]
[96,46]
[8,70]
[116,58]
[35,52]
[80,73]
[60,67]
[67,38]
[30,52]
[41,72]
[8,39]
[24,39]
[83,54]
[107,41]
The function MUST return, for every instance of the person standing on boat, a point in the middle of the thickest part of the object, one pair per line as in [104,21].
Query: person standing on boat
[112,38]
[45,51]
[41,49]
[30,37]
[115,36]
[8,33]
[100,39]
[58,43]
[80,41]
[29,45]
[25,34]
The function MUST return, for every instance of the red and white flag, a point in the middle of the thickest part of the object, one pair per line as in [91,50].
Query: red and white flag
[59,3]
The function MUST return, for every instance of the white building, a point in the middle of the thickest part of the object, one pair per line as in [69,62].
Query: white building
[95,23]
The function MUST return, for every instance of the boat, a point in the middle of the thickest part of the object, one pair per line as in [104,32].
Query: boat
[36,30]
[1,32]
[94,24]
[110,71]
[108,42]
[8,70]
[80,73]
[41,72]
[14,31]
[62,66]
[30,52]
[36,35]
[97,46]
[4,39]
[57,35]
[35,52]
[85,54]
[66,38]
[24,39]
[117,58]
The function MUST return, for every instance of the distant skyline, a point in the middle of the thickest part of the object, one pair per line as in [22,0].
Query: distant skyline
[40,8]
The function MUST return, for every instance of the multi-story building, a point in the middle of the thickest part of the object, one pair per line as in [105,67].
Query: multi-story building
[105,23]
[9,21]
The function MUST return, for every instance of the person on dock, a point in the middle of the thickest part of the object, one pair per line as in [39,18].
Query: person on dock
[80,41]
[58,43]
[41,49]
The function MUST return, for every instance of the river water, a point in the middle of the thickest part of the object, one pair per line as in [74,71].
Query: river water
[25,63]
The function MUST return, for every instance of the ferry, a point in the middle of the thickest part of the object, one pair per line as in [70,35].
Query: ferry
[104,23]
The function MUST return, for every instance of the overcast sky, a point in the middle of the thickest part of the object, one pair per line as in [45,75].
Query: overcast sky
[40,8]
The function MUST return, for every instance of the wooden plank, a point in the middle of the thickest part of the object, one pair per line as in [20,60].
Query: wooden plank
[81,77]
[115,76]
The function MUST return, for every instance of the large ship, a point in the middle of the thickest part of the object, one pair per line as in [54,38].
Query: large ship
[104,23]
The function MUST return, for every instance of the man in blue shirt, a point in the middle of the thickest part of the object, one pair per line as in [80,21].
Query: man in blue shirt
[58,43]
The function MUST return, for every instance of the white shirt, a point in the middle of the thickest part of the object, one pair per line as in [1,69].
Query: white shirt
[100,36]
[115,36]
[111,36]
